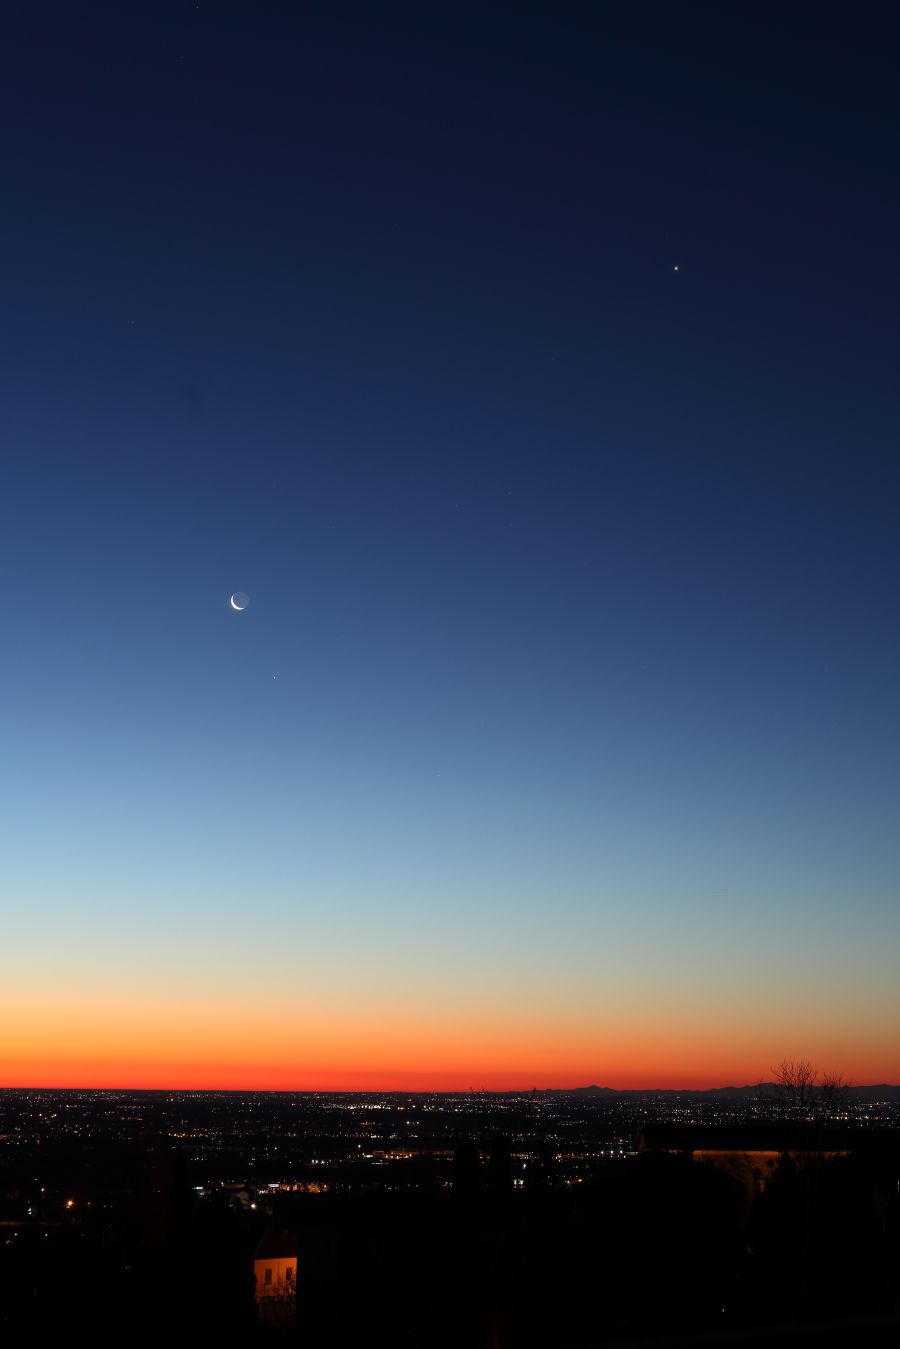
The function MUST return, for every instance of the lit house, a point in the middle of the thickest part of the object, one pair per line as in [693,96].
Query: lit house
[275,1267]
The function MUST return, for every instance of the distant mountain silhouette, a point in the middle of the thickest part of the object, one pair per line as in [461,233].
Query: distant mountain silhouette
[880,1092]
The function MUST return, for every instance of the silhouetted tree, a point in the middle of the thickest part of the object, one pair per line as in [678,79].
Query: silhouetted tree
[795,1083]
[801,1094]
[833,1096]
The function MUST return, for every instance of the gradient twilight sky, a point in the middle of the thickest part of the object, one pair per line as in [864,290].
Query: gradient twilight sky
[561,740]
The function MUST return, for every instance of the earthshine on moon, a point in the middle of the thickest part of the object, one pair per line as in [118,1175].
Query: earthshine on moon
[239,601]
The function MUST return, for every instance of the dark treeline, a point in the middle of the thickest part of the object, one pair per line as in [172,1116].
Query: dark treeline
[656,1245]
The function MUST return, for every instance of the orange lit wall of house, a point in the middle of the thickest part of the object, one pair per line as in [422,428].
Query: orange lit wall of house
[274,1277]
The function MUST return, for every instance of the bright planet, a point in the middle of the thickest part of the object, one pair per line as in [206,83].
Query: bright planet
[239,601]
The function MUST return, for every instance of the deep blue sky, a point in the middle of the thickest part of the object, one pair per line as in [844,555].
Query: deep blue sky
[574,577]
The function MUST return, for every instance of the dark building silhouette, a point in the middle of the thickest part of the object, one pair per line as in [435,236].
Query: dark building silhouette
[751,1152]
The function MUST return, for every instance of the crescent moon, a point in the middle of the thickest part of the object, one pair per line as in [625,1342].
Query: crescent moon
[238,607]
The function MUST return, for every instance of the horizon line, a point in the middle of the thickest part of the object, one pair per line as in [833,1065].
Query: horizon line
[433,1091]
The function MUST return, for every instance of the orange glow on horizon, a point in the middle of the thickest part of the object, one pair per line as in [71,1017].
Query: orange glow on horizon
[93,1077]
[163,1043]
[445,1072]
